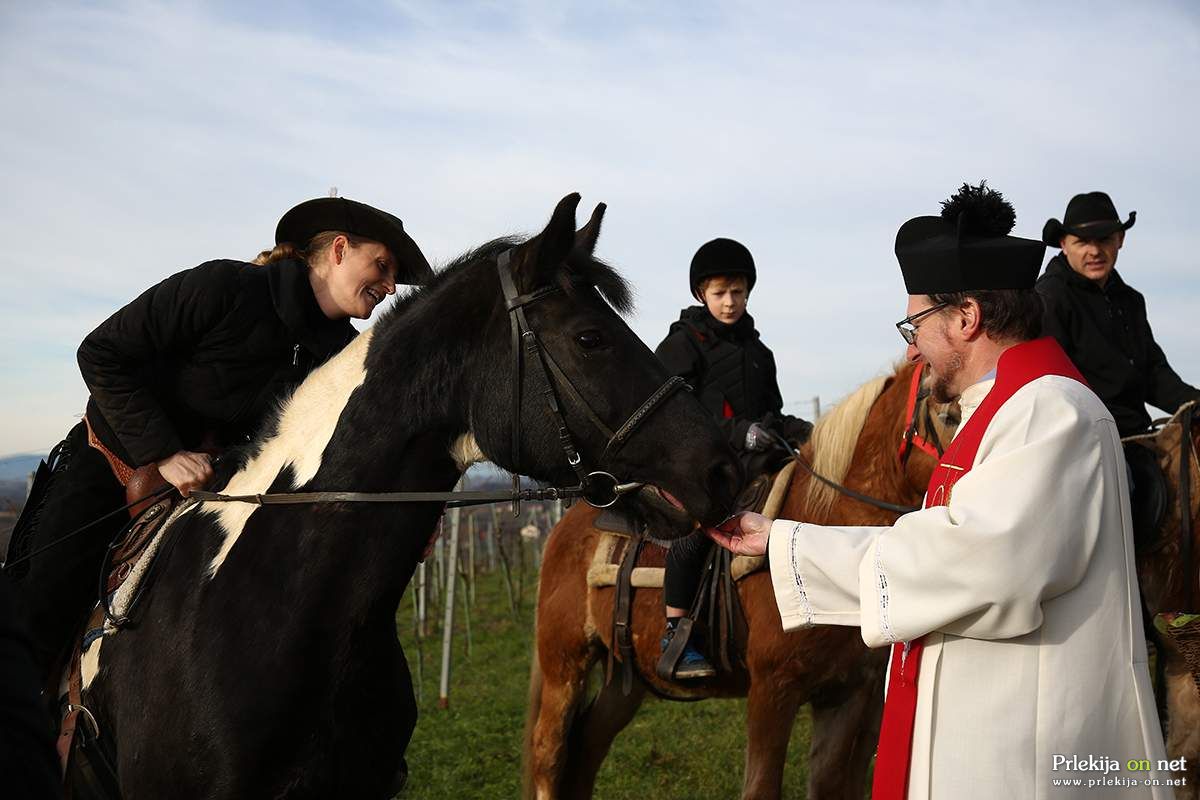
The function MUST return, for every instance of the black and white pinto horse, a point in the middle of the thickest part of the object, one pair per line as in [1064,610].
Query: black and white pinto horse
[263,661]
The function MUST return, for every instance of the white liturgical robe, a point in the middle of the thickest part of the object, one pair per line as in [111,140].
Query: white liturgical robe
[1034,673]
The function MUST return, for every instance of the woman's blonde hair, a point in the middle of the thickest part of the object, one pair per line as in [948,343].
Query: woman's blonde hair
[316,245]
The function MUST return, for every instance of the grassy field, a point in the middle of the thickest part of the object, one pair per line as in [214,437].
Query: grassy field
[473,749]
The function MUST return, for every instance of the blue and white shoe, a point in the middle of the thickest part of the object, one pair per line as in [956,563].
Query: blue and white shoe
[692,664]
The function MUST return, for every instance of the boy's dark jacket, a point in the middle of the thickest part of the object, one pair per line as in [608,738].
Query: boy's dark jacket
[728,366]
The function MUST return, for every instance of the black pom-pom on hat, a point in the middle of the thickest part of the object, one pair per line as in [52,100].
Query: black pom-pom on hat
[979,211]
[967,247]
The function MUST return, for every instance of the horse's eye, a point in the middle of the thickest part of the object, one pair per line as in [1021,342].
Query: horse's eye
[589,340]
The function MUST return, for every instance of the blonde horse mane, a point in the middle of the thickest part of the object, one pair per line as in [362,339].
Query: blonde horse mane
[833,440]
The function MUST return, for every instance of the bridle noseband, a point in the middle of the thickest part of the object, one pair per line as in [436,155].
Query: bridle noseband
[910,438]
[598,488]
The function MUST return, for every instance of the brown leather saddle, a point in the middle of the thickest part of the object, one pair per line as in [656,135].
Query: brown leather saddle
[82,748]
[717,605]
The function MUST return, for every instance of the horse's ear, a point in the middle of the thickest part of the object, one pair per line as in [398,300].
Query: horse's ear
[536,261]
[585,237]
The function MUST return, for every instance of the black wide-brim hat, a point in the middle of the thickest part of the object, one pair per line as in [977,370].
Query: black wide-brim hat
[967,248]
[311,217]
[1091,215]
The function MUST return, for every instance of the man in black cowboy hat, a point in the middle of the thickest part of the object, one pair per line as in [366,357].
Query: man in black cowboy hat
[1100,320]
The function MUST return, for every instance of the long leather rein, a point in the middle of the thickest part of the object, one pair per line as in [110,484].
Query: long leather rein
[909,439]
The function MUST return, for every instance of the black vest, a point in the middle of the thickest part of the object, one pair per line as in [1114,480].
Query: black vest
[725,364]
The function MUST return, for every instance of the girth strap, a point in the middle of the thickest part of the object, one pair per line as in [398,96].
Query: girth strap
[623,615]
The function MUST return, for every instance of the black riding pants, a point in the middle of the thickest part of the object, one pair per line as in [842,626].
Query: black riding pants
[57,589]
[685,561]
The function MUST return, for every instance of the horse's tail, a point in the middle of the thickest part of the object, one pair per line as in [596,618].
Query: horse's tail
[528,790]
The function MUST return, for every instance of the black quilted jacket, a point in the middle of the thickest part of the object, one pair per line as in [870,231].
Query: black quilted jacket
[202,358]
[1107,335]
[728,366]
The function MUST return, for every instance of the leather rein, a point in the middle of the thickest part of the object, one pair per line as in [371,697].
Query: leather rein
[597,487]
[908,440]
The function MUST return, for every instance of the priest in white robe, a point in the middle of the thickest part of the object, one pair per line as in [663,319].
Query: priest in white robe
[1010,600]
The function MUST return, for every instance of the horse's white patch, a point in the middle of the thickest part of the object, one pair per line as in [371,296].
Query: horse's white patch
[89,663]
[465,451]
[306,425]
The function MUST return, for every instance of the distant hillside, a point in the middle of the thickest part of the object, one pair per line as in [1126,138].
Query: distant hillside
[12,495]
[486,476]
[17,467]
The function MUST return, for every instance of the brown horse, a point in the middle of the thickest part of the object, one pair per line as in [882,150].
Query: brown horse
[1169,583]
[567,738]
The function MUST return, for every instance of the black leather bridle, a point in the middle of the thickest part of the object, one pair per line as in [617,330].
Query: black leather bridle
[599,488]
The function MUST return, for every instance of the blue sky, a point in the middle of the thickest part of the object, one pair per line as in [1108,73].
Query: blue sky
[140,138]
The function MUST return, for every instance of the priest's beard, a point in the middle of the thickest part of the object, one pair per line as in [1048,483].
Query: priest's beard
[943,382]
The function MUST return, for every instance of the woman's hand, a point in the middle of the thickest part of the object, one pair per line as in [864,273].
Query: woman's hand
[743,535]
[186,471]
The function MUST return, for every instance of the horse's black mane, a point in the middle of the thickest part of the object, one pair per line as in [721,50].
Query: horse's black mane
[580,272]
[580,268]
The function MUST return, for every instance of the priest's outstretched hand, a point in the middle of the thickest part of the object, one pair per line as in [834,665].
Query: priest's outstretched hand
[744,535]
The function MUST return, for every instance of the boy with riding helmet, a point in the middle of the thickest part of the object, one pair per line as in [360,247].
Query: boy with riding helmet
[195,365]
[715,347]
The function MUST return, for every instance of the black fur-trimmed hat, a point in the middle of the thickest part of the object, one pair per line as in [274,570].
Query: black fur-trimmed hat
[967,247]
[1089,216]
[311,217]
[721,257]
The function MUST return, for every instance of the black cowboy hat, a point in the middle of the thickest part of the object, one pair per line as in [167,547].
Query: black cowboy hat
[722,257]
[311,217]
[968,247]
[1089,216]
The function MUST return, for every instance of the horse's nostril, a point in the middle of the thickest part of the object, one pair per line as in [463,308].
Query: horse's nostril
[724,481]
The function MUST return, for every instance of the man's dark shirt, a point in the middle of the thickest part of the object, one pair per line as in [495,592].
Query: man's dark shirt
[1106,333]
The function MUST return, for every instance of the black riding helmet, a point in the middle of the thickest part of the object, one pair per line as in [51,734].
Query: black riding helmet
[721,257]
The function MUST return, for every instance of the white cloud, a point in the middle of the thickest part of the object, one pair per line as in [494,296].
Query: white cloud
[147,137]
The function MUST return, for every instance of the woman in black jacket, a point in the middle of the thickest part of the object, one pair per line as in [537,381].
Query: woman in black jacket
[192,366]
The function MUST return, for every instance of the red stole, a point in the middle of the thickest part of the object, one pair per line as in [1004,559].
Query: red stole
[1018,365]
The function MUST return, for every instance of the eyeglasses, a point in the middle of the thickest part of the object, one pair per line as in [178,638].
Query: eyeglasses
[907,326]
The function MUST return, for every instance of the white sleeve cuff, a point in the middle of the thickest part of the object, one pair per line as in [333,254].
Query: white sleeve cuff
[794,607]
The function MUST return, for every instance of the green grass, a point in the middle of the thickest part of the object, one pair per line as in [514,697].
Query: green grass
[473,748]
